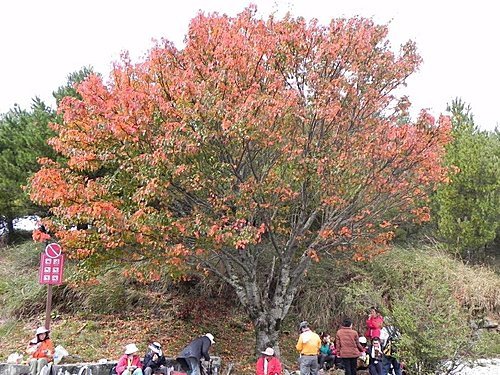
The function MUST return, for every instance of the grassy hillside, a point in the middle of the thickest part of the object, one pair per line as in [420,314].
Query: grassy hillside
[415,289]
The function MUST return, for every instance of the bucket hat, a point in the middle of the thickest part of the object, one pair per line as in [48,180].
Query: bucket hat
[131,349]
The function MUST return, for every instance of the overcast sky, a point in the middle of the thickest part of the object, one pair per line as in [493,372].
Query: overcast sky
[42,41]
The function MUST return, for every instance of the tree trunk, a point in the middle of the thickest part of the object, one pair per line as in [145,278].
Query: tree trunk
[267,330]
[10,230]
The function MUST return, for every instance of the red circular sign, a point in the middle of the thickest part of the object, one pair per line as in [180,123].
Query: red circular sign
[53,250]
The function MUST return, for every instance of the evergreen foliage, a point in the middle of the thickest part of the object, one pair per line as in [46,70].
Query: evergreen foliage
[23,139]
[468,208]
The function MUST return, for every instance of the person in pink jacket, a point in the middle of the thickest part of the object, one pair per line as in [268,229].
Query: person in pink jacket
[374,324]
[268,364]
[129,363]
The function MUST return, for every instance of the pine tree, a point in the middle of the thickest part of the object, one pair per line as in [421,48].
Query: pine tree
[468,208]
[23,140]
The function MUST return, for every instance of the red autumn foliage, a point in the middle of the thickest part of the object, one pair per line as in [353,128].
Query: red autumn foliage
[258,147]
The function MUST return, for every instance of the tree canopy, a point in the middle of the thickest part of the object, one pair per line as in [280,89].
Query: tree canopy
[468,209]
[260,147]
[23,138]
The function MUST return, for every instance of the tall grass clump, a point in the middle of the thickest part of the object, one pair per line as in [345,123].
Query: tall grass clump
[20,293]
[21,296]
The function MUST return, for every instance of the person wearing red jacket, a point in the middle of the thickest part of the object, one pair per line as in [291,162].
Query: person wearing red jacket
[268,364]
[130,363]
[374,324]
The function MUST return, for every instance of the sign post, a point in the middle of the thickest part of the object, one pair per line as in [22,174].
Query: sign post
[48,306]
[50,273]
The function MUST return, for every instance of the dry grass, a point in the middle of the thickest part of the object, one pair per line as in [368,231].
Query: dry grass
[476,288]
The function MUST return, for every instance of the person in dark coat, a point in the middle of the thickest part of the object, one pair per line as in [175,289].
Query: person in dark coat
[191,355]
[376,357]
[154,360]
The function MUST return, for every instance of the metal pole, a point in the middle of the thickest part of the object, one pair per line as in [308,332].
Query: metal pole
[48,306]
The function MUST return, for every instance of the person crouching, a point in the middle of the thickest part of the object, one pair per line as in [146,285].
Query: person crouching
[41,350]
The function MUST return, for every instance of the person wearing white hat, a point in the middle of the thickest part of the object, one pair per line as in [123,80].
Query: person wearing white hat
[191,355]
[154,360]
[40,350]
[363,360]
[268,363]
[129,363]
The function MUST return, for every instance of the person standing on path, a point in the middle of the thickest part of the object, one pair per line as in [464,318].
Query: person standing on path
[374,324]
[348,346]
[308,346]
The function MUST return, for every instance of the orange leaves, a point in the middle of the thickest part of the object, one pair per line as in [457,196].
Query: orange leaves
[326,233]
[48,185]
[385,224]
[238,234]
[383,238]
[39,236]
[179,170]
[313,254]
[345,232]
[240,138]
[422,214]
[83,253]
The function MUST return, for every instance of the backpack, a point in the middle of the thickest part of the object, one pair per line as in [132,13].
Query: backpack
[392,337]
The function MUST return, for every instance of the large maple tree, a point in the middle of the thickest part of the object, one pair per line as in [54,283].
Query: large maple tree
[257,149]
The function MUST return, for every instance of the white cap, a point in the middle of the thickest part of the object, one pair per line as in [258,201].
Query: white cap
[130,349]
[41,330]
[362,340]
[268,351]
[211,337]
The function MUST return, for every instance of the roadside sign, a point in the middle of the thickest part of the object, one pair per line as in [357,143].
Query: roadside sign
[53,250]
[51,265]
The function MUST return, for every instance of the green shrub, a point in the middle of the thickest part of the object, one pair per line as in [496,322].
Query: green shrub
[432,298]
[487,345]
[21,294]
